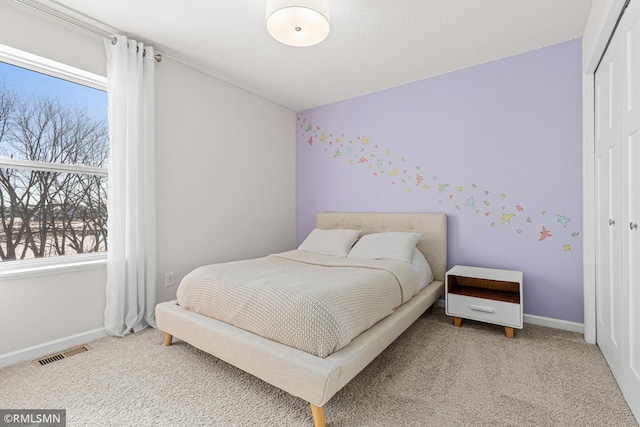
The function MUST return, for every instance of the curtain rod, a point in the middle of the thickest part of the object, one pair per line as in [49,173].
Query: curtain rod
[68,20]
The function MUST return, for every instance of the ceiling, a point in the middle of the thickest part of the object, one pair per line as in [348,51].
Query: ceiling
[373,44]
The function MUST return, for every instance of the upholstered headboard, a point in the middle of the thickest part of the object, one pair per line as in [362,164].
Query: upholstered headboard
[432,226]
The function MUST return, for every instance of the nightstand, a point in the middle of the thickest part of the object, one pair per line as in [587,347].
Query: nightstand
[485,294]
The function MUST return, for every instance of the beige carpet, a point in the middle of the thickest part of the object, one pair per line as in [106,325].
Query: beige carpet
[433,375]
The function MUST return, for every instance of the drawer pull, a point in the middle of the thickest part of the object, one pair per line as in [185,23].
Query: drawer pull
[480,308]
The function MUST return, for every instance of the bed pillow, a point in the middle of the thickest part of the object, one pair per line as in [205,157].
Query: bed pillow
[423,269]
[336,242]
[390,245]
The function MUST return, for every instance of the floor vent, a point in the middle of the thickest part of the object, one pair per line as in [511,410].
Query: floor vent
[62,355]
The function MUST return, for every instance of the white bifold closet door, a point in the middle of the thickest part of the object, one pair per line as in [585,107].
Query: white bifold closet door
[607,175]
[617,174]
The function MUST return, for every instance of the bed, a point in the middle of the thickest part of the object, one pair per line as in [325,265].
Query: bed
[304,375]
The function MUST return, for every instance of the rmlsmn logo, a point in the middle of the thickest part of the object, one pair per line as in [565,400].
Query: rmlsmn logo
[29,417]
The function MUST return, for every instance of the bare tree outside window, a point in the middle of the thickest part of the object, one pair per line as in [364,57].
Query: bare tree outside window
[53,183]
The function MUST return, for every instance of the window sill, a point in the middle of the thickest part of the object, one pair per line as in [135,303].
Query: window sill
[42,267]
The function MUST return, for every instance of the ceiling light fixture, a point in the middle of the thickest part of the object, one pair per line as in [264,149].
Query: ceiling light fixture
[298,22]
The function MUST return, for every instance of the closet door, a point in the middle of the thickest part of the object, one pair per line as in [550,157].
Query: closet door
[609,222]
[629,29]
[617,137]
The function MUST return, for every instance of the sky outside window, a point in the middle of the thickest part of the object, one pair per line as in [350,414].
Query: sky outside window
[31,83]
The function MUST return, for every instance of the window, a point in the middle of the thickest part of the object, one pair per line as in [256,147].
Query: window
[54,153]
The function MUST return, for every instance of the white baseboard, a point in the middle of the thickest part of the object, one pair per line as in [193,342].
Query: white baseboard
[47,348]
[554,323]
[544,321]
[40,350]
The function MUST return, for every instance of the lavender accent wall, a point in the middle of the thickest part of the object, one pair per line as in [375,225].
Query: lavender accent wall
[496,146]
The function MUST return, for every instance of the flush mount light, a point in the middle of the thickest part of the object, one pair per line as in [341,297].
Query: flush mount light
[298,22]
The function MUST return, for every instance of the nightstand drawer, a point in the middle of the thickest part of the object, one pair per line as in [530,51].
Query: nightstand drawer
[485,310]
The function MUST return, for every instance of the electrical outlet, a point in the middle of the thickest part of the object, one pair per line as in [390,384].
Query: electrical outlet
[169,279]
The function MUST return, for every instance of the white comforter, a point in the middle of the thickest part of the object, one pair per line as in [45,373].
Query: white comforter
[312,302]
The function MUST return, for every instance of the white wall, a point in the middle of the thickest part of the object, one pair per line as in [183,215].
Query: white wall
[225,173]
[34,32]
[50,307]
[225,186]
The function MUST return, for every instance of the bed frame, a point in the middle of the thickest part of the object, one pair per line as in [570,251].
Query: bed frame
[301,374]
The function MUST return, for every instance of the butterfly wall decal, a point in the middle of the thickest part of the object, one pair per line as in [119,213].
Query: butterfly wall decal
[544,233]
[562,219]
[442,187]
[506,218]
[470,202]
[377,162]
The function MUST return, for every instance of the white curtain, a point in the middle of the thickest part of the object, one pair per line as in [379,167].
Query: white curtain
[131,265]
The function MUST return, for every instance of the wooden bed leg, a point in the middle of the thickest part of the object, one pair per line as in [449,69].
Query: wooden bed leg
[318,415]
[508,331]
[167,338]
[457,321]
